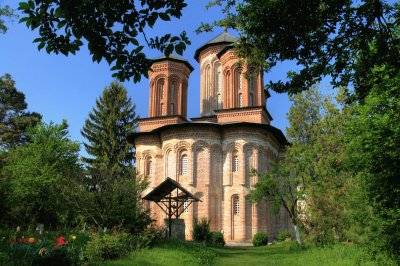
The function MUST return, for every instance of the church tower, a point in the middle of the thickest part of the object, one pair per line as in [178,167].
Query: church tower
[230,89]
[168,92]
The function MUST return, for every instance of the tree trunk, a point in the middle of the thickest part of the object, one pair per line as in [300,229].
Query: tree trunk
[297,231]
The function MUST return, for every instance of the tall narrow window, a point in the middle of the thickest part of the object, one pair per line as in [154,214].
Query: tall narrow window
[149,167]
[173,90]
[240,80]
[240,100]
[172,109]
[251,103]
[236,205]
[251,80]
[162,89]
[162,109]
[186,206]
[184,165]
[235,163]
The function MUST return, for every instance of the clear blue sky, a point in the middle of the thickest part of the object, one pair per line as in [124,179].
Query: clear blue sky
[60,87]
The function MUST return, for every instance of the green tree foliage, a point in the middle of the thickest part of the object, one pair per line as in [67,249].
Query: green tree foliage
[106,129]
[311,181]
[7,12]
[374,144]
[14,119]
[114,188]
[35,176]
[113,30]
[323,37]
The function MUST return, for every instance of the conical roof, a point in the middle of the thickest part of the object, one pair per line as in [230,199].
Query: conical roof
[224,37]
[175,58]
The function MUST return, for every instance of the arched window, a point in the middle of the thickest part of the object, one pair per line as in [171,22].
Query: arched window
[251,101]
[173,90]
[235,163]
[240,79]
[171,112]
[162,109]
[240,100]
[149,167]
[161,88]
[235,205]
[184,165]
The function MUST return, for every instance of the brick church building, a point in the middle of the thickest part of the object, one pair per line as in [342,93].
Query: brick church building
[212,155]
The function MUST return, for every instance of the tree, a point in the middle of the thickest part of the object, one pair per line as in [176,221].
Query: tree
[14,119]
[115,188]
[322,37]
[5,11]
[374,154]
[113,30]
[106,129]
[36,174]
[312,181]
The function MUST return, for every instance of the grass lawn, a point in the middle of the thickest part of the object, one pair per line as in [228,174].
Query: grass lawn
[187,253]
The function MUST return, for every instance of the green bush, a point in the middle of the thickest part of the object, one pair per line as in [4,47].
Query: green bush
[260,239]
[283,235]
[217,239]
[201,230]
[148,238]
[106,246]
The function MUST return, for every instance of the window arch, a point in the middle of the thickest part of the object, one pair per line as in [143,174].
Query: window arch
[184,164]
[235,205]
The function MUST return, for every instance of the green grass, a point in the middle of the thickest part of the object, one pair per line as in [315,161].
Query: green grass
[187,253]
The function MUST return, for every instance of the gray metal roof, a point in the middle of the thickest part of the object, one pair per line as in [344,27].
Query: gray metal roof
[175,58]
[221,38]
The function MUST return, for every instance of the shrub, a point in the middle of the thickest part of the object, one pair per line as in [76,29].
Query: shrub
[201,230]
[148,237]
[217,239]
[260,239]
[105,247]
[283,235]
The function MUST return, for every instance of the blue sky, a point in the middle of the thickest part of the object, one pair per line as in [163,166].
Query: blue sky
[60,87]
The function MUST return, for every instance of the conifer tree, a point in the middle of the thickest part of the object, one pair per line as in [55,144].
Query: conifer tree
[14,119]
[111,156]
[114,188]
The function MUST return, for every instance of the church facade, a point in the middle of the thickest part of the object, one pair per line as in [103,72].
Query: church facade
[211,156]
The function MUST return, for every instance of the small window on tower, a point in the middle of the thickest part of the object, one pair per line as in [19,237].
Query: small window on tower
[184,165]
[240,80]
[162,89]
[235,163]
[240,100]
[251,100]
[172,109]
[162,109]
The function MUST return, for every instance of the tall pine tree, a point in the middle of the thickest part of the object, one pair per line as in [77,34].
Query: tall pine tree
[115,190]
[105,130]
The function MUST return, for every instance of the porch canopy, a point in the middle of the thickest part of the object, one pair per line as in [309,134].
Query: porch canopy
[170,196]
